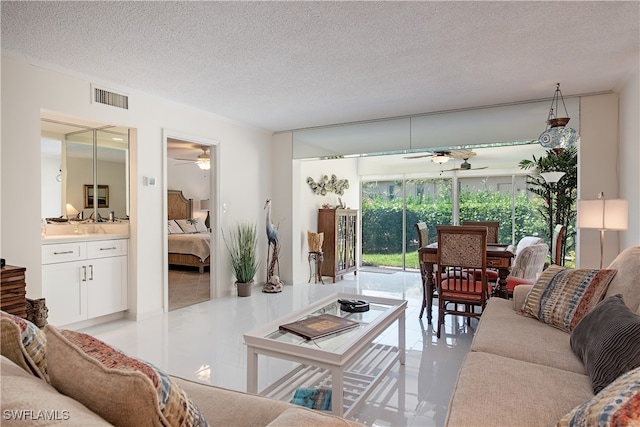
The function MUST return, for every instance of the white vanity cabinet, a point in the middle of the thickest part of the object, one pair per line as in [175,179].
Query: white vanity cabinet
[84,279]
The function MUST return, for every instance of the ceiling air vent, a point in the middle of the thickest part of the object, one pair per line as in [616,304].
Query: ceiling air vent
[107,97]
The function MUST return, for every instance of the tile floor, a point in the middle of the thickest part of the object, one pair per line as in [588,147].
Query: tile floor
[204,342]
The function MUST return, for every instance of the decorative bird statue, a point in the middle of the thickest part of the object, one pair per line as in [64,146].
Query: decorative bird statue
[273,281]
[272,231]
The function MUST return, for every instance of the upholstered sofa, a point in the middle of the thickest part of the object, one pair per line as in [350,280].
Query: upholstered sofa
[523,372]
[69,378]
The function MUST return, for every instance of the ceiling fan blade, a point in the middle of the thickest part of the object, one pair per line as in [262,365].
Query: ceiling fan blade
[185,160]
[419,157]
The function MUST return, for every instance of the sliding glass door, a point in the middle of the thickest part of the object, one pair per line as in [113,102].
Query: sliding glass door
[390,208]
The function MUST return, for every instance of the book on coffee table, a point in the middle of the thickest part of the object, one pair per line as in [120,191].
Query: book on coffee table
[319,326]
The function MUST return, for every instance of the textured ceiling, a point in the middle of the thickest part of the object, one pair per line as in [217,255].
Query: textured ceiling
[288,65]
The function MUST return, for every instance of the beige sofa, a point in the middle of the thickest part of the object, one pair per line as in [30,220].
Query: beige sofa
[522,372]
[28,400]
[69,378]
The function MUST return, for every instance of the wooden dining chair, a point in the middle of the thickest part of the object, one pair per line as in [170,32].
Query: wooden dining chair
[556,245]
[423,234]
[462,254]
[492,229]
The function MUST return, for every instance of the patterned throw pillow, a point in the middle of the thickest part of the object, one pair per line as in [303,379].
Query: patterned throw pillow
[200,225]
[24,344]
[562,296]
[123,390]
[174,228]
[607,340]
[187,225]
[617,405]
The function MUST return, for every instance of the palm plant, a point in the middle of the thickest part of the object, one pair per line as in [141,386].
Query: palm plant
[560,197]
[242,244]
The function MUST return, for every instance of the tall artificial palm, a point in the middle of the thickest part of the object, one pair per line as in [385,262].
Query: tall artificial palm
[560,198]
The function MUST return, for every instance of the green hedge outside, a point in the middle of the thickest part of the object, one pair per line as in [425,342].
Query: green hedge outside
[382,219]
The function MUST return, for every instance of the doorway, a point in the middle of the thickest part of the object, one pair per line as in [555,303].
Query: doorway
[190,206]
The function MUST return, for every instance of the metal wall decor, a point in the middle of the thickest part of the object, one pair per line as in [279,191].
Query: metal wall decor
[328,185]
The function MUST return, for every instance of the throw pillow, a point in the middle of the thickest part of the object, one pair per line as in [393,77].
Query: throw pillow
[200,226]
[174,228]
[607,340]
[562,296]
[24,344]
[617,405]
[123,390]
[187,225]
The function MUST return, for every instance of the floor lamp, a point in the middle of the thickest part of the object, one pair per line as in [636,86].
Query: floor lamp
[552,179]
[603,214]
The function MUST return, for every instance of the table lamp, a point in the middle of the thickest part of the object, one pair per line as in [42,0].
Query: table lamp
[603,214]
[205,206]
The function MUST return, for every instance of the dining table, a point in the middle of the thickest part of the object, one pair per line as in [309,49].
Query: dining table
[498,257]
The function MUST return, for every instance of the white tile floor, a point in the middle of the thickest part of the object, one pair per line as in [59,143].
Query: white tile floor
[204,342]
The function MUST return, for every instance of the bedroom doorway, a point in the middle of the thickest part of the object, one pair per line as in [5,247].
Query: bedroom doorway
[190,212]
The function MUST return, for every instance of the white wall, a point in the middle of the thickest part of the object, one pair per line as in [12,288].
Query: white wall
[629,158]
[244,173]
[193,182]
[597,172]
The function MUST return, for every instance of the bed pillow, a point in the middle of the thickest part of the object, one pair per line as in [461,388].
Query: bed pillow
[123,390]
[200,226]
[607,340]
[24,344]
[187,225]
[562,296]
[174,228]
[617,405]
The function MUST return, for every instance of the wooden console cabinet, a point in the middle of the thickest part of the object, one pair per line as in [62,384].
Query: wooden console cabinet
[340,228]
[13,293]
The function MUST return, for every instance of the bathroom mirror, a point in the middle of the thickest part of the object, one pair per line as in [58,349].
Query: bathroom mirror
[77,155]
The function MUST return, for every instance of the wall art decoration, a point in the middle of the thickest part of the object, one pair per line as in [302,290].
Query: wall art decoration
[328,185]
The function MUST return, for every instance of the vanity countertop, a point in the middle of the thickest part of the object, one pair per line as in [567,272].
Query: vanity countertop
[70,238]
[69,233]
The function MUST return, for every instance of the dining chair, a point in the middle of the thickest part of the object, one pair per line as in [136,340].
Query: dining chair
[527,265]
[492,229]
[462,250]
[423,233]
[556,244]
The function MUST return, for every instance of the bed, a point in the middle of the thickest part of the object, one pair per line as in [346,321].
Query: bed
[191,248]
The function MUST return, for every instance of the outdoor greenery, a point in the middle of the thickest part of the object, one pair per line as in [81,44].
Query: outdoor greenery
[241,245]
[559,198]
[382,219]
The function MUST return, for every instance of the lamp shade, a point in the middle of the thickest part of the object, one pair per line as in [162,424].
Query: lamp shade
[205,205]
[71,211]
[603,214]
[552,177]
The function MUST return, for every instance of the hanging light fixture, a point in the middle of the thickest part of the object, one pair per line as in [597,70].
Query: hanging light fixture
[204,160]
[557,135]
[440,158]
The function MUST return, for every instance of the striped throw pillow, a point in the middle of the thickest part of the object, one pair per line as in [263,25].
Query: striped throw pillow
[563,296]
[617,405]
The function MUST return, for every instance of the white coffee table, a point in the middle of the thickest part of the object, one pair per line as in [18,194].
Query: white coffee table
[349,362]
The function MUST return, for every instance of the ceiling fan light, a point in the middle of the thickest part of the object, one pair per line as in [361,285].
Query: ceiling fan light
[440,158]
[203,164]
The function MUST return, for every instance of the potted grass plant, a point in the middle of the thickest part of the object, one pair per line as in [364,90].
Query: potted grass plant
[242,244]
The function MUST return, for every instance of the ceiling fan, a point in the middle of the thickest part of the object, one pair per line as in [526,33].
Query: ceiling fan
[465,166]
[203,160]
[443,156]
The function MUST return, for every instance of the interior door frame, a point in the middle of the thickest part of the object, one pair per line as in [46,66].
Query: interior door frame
[214,185]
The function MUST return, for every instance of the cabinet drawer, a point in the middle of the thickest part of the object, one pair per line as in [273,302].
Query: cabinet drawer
[107,248]
[63,252]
